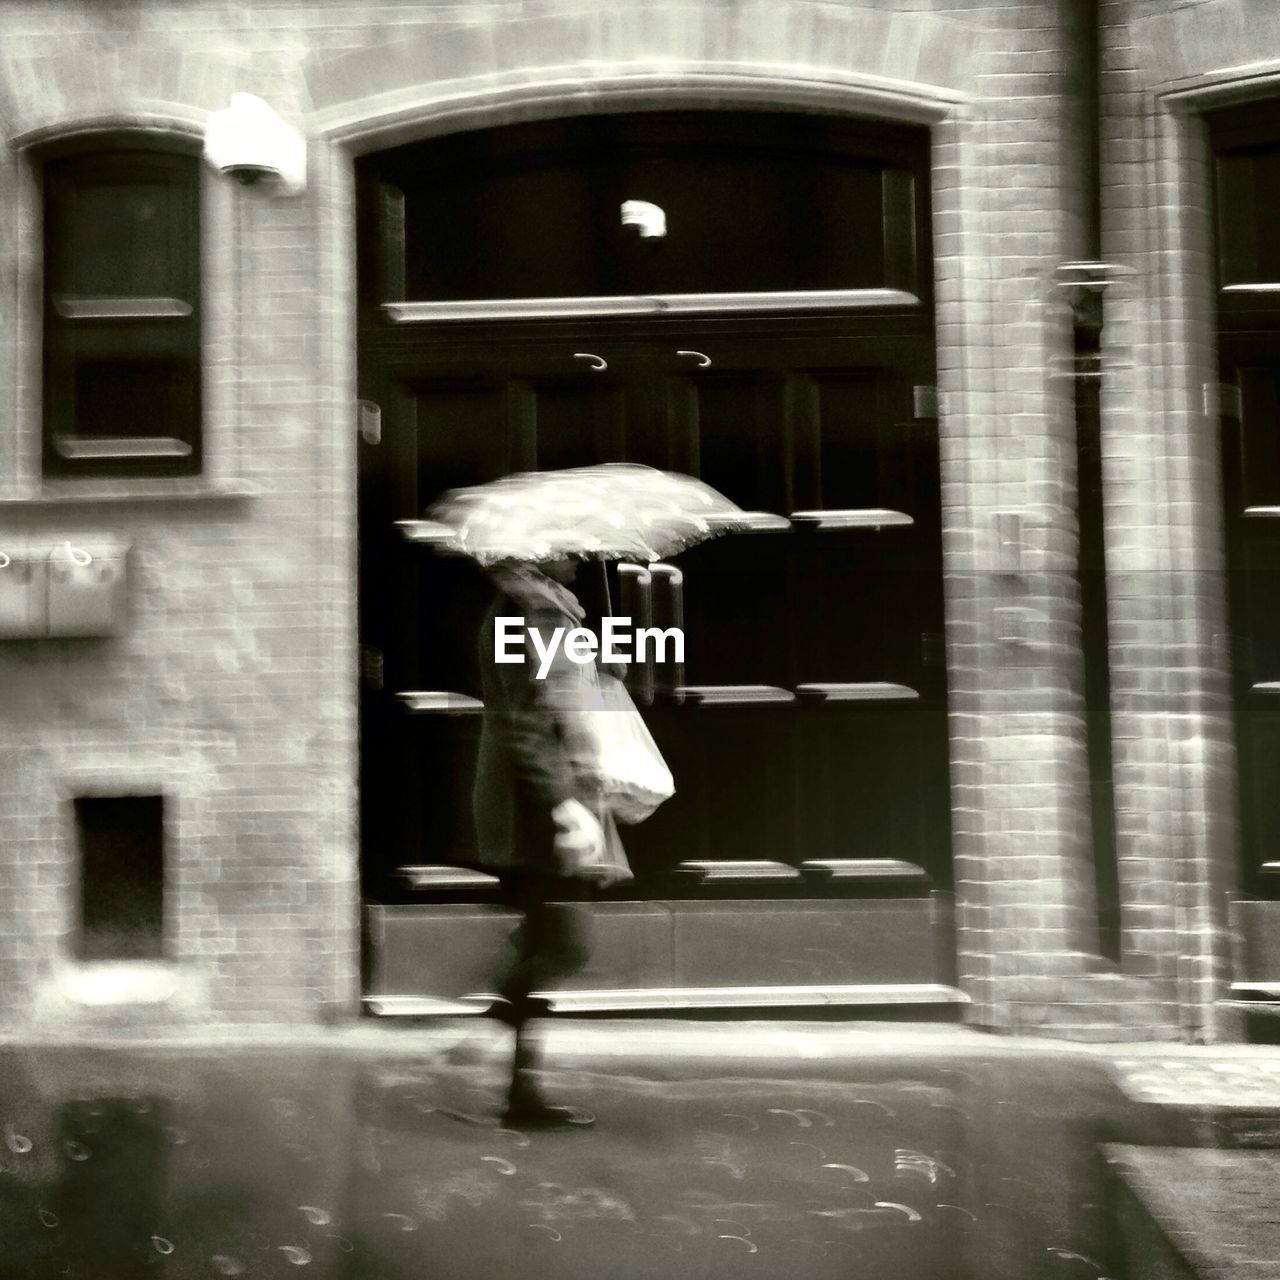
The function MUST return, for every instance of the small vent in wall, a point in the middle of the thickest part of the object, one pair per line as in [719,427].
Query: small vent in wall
[121,847]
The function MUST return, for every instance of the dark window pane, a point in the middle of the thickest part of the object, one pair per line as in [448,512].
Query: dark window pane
[132,398]
[742,218]
[509,232]
[1248,191]
[124,239]
[1237,226]
[753,202]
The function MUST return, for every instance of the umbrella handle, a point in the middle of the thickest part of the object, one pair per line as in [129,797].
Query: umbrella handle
[674,580]
[634,580]
[598,363]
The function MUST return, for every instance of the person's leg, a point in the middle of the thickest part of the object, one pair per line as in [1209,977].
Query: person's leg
[553,942]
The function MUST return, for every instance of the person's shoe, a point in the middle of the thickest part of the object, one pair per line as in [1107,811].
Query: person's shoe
[502,1010]
[537,1113]
[514,1013]
[528,1109]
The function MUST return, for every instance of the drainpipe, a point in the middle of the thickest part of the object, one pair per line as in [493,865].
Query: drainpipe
[1082,283]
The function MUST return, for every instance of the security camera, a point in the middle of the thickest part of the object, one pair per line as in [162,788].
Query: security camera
[249,142]
[247,174]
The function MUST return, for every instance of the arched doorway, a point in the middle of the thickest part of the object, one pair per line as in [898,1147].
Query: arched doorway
[778,341]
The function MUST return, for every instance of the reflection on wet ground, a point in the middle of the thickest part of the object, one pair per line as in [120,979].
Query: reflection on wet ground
[265,1163]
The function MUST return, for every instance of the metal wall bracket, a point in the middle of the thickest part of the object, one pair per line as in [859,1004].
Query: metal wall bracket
[924,402]
[1010,543]
[369,421]
[1222,399]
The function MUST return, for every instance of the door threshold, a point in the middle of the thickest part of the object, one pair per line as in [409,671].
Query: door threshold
[681,999]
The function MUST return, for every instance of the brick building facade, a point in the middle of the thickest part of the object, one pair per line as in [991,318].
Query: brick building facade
[229,688]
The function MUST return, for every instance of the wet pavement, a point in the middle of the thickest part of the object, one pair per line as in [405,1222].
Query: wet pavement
[758,1150]
[1217,1212]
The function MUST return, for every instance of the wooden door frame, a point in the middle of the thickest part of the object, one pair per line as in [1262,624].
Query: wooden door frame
[402,349]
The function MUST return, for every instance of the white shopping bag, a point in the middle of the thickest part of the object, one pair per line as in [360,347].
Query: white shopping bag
[621,753]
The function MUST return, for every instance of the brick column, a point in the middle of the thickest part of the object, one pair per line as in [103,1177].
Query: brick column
[1023,850]
[1174,743]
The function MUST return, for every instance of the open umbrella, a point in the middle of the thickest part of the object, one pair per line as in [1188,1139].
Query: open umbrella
[612,511]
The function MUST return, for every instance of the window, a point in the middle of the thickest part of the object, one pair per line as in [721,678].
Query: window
[122,313]
[751,202]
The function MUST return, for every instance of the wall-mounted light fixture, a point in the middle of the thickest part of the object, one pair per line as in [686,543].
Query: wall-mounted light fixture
[649,219]
[249,142]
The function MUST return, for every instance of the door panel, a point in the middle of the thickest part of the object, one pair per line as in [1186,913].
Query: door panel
[867,601]
[735,444]
[738,603]
[1258,586]
[576,423]
[747,781]
[869,784]
[855,456]
[1259,441]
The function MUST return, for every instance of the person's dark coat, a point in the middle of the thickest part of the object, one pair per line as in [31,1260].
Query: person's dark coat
[526,765]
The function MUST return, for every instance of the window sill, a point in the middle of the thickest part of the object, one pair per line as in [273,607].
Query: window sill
[62,493]
[105,983]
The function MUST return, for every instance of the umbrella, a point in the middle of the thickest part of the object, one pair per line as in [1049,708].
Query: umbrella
[612,511]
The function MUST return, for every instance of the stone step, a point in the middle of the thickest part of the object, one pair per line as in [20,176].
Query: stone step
[923,995]
[805,947]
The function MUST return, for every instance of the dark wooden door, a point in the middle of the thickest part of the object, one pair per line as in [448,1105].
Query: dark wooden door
[1251,471]
[1246,141]
[776,341]
[808,721]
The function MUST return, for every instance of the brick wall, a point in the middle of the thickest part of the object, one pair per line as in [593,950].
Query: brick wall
[233,686]
[230,688]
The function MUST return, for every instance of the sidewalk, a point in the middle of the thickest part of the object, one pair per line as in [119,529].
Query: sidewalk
[1208,1203]
[1217,1212]
[789,1148]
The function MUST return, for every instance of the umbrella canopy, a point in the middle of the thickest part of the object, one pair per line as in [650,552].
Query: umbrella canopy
[613,511]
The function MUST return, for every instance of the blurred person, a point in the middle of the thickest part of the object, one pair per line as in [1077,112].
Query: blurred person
[544,829]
